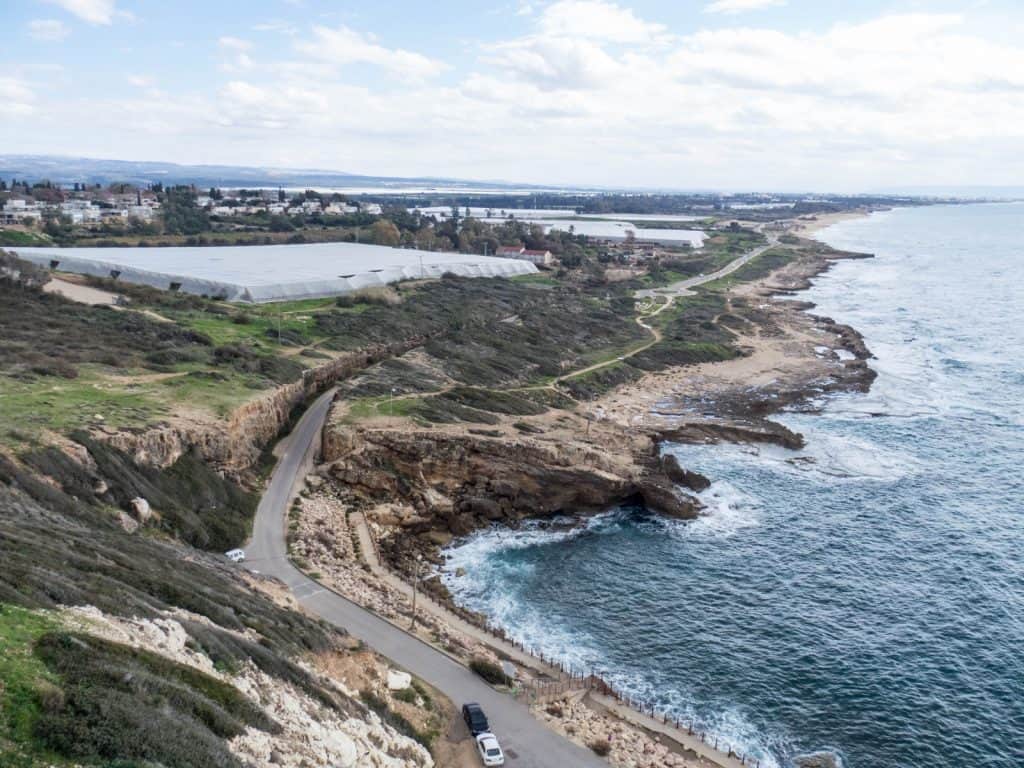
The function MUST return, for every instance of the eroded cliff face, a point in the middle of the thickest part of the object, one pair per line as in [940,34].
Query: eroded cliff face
[233,445]
[453,481]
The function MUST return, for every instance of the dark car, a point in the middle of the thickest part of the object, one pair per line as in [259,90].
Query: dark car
[475,718]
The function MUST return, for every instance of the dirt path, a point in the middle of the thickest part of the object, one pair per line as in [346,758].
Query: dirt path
[83,294]
[671,293]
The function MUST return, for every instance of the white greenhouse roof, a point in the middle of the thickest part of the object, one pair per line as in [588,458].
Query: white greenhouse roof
[261,273]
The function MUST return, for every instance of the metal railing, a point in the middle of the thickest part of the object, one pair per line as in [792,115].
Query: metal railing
[571,679]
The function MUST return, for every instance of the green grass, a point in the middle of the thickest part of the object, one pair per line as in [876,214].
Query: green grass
[376,407]
[21,672]
[17,237]
[48,402]
[34,403]
[261,329]
[220,391]
[285,307]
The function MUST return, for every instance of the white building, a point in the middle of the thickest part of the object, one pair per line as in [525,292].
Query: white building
[18,211]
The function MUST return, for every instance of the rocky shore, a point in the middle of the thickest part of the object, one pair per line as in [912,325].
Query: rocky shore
[425,485]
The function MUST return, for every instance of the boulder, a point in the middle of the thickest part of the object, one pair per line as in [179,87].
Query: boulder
[127,522]
[398,680]
[141,509]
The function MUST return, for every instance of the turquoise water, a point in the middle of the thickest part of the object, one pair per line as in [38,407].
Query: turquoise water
[864,595]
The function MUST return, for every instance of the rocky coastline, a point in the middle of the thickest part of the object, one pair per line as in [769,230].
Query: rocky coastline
[423,487]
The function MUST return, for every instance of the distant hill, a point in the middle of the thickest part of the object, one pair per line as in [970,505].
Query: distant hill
[960,192]
[69,170]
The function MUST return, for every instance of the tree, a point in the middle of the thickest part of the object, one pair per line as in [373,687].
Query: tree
[181,214]
[384,232]
[281,223]
[280,195]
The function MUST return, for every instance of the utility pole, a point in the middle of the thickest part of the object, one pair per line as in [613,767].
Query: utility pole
[415,585]
[391,403]
[422,273]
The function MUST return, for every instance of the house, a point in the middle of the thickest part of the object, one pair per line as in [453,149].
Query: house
[540,258]
[21,211]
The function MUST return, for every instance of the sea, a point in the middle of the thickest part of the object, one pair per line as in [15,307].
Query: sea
[862,597]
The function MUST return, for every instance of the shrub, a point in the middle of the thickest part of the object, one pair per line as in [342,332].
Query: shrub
[123,703]
[407,695]
[395,720]
[600,747]
[489,671]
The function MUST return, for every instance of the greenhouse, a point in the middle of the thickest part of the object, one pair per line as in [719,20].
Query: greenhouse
[264,273]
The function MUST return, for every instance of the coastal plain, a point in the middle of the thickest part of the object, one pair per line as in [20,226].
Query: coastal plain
[462,404]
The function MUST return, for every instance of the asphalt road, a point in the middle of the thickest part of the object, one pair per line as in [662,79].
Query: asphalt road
[527,743]
[682,286]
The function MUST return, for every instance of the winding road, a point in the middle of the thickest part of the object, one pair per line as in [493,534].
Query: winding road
[527,743]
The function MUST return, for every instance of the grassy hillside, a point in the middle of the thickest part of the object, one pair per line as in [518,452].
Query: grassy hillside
[67,697]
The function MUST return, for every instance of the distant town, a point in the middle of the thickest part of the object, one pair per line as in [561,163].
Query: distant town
[589,232]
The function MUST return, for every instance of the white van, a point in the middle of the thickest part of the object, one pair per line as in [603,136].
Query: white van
[235,555]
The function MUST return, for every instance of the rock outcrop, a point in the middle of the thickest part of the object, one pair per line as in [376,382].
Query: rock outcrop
[457,482]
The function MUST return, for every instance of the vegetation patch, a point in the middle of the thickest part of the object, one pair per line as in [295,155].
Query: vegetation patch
[596,383]
[114,702]
[490,672]
[71,554]
[396,720]
[194,502]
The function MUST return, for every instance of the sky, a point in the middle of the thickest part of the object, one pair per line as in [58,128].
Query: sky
[778,95]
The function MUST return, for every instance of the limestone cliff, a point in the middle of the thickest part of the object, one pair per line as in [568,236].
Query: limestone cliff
[453,481]
[234,444]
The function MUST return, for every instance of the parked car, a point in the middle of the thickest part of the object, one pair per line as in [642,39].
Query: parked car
[235,555]
[490,751]
[475,718]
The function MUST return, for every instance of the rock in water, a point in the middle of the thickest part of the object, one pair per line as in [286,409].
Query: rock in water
[822,759]
[695,481]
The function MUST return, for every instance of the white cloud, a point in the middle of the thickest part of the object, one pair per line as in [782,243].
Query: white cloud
[235,56]
[911,98]
[140,81]
[597,20]
[17,96]
[739,6]
[234,43]
[92,11]
[342,45]
[554,63]
[48,30]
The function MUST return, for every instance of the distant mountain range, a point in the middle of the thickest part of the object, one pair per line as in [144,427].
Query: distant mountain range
[69,170]
[84,170]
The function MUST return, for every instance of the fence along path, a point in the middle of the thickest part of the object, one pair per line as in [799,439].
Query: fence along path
[562,679]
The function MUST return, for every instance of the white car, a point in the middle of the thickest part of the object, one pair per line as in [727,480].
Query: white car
[235,555]
[490,752]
